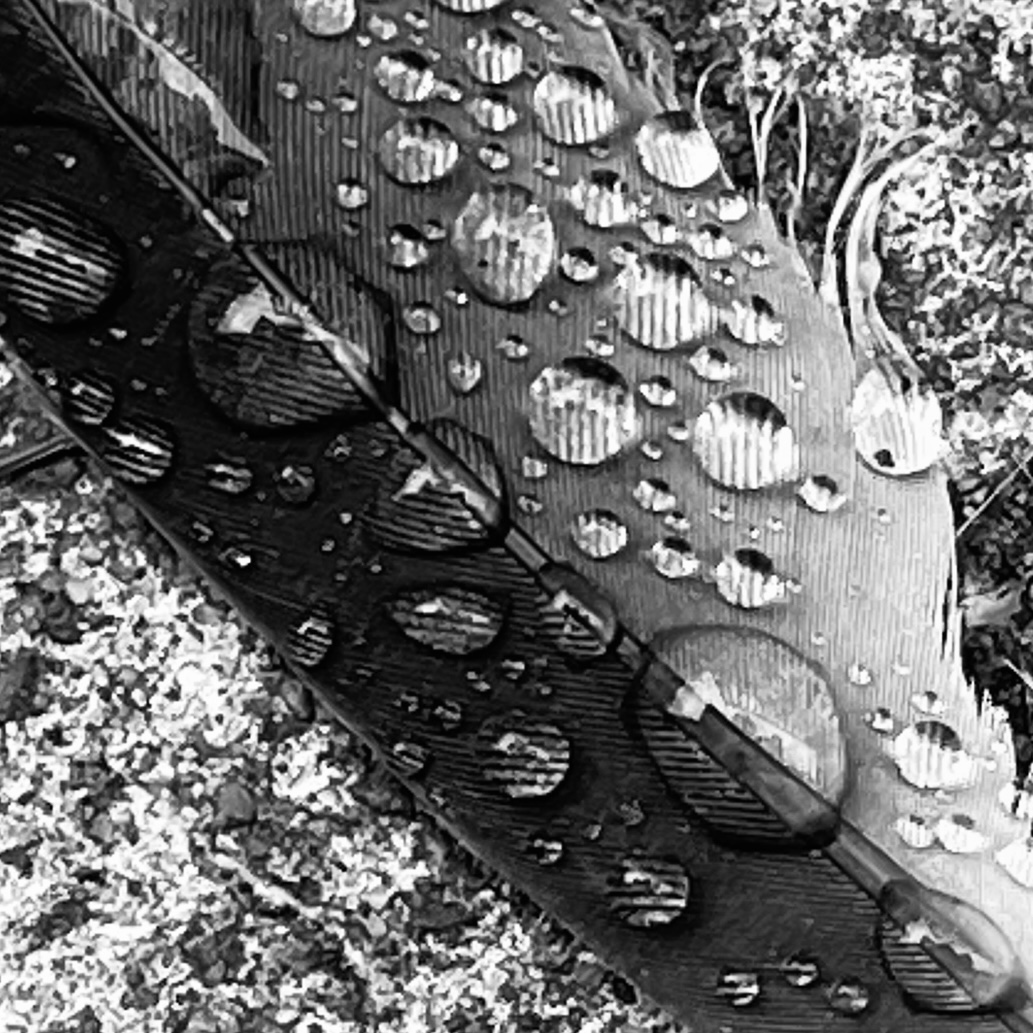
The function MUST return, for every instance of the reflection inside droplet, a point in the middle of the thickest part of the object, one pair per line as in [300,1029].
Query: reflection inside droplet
[417,151]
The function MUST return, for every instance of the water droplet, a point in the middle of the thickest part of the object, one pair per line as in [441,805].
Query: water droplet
[1017,801]
[434,230]
[528,759]
[407,247]
[588,17]
[465,372]
[492,112]
[582,411]
[495,157]
[406,77]
[680,431]
[295,484]
[352,195]
[661,229]
[929,755]
[649,892]
[599,533]
[881,720]
[654,495]
[746,578]
[310,638]
[545,850]
[558,307]
[1017,860]
[514,348]
[739,987]
[574,106]
[56,265]
[858,674]
[958,835]
[236,557]
[659,301]
[494,56]
[315,106]
[712,365]
[675,558]
[448,715]
[345,101]
[928,702]
[601,347]
[678,522]
[383,29]
[731,206]
[138,451]
[711,243]
[603,199]
[505,241]
[421,318]
[470,6]
[658,391]
[675,152]
[914,830]
[288,89]
[233,477]
[339,449]
[417,19]
[533,469]
[457,296]
[417,151]
[579,265]
[743,441]
[849,997]
[755,323]
[652,450]
[529,505]
[800,970]
[755,255]
[821,494]
[89,399]
[325,18]
[449,620]
[409,759]
[723,276]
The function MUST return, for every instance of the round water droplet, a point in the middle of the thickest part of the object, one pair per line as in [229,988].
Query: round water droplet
[881,721]
[56,265]
[654,495]
[533,469]
[582,411]
[465,372]
[546,850]
[929,755]
[800,970]
[288,89]
[351,195]
[659,301]
[652,450]
[849,997]
[743,441]
[579,265]
[755,255]
[821,494]
[661,229]
[88,398]
[915,831]
[649,892]
[494,156]
[928,702]
[494,56]
[710,243]
[731,206]
[675,558]
[754,323]
[138,451]
[603,199]
[457,296]
[746,578]
[310,637]
[295,484]
[421,318]
[449,620]
[599,533]
[514,348]
[493,112]
[739,987]
[325,18]
[712,365]
[527,759]
[232,477]
[658,391]
[574,106]
[406,77]
[407,248]
[505,241]
[236,557]
[675,152]
[416,151]
[958,835]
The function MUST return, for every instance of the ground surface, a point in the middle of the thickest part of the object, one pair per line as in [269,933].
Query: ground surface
[115,910]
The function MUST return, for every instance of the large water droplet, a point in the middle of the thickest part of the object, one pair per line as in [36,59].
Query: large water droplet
[230,476]
[138,451]
[449,620]
[421,318]
[744,442]
[56,265]
[958,835]
[603,199]
[649,892]
[526,759]
[599,533]
[505,241]
[407,248]
[747,578]
[582,411]
[311,636]
[406,77]
[494,56]
[493,112]
[659,301]
[574,106]
[417,151]
[89,398]
[677,153]
[929,755]
[325,18]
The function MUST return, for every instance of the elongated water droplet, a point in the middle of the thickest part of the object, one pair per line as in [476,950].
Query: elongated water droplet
[449,620]
[800,970]
[546,850]
[849,997]
[675,558]
[138,451]
[574,106]
[654,495]
[958,835]
[677,153]
[232,477]
[514,348]
[470,6]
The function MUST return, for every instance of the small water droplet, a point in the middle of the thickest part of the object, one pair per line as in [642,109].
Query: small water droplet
[138,451]
[929,755]
[711,243]
[421,318]
[821,494]
[712,365]
[352,195]
[345,101]
[649,892]
[579,265]
[675,558]
[661,229]
[465,372]
[493,112]
[288,89]
[754,323]
[514,348]
[383,29]
[723,276]
[849,997]
[315,106]
[339,449]
[529,505]
[494,56]
[958,835]
[755,255]
[434,230]
[658,391]
[448,714]
[545,850]
[494,156]
[654,495]
[800,970]
[603,199]
[236,557]
[599,533]
[232,477]
[409,759]
[89,399]
[558,307]
[858,674]
[731,206]
[406,77]
[588,17]
[928,702]
[457,296]
[533,469]
[914,830]
[310,638]
[652,450]
[881,720]
[407,247]
[739,987]
[601,347]
[295,484]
